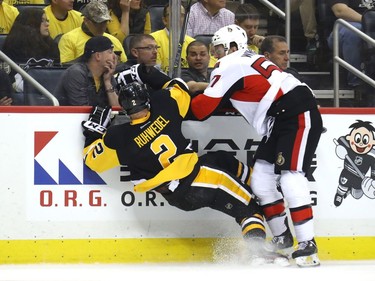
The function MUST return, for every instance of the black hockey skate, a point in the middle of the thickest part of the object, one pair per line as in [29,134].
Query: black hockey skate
[281,243]
[306,254]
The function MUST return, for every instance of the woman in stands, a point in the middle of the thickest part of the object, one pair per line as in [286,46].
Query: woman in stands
[128,17]
[29,38]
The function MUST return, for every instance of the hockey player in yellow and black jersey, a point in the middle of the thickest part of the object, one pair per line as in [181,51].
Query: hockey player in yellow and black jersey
[161,159]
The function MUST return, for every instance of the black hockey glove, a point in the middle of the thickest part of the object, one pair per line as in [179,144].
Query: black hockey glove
[98,122]
[152,76]
[144,75]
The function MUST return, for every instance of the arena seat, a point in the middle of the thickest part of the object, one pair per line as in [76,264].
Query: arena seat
[2,40]
[57,38]
[28,6]
[156,14]
[126,44]
[48,77]
[368,51]
[149,3]
[326,18]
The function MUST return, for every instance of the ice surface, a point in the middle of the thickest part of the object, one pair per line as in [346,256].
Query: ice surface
[329,270]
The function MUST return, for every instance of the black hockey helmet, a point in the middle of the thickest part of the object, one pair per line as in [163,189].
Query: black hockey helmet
[134,97]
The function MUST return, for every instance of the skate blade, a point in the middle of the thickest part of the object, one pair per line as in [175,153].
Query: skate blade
[287,252]
[308,261]
[280,261]
[257,261]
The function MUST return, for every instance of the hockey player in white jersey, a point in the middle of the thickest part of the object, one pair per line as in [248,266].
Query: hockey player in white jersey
[284,112]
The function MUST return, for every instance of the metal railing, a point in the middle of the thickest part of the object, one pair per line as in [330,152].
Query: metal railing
[30,79]
[337,61]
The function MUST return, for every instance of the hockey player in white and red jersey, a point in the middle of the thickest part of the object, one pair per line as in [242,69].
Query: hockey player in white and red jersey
[284,112]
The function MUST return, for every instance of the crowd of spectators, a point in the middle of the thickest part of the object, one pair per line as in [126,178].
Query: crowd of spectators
[59,30]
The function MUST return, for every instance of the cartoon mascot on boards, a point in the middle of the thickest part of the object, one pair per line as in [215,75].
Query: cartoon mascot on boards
[357,151]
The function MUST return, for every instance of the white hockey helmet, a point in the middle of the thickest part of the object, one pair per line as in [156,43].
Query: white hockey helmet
[228,34]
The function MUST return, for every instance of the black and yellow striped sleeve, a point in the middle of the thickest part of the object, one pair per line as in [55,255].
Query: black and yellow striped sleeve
[99,158]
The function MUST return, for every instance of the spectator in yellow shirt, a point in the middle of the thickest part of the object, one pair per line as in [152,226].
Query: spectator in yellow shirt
[62,18]
[96,17]
[25,2]
[128,17]
[8,14]
[162,40]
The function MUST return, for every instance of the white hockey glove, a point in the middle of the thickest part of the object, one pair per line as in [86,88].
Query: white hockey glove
[128,76]
[98,122]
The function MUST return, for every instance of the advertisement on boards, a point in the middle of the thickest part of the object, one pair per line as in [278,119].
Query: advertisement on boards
[49,190]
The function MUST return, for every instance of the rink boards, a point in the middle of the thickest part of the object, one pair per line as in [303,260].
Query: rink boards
[54,209]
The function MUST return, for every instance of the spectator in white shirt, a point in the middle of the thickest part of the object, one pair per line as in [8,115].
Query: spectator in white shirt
[208,16]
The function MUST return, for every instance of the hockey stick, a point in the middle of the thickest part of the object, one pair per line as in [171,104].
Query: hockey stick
[177,59]
[354,166]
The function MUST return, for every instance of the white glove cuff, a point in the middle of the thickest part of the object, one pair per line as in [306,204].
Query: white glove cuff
[94,127]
